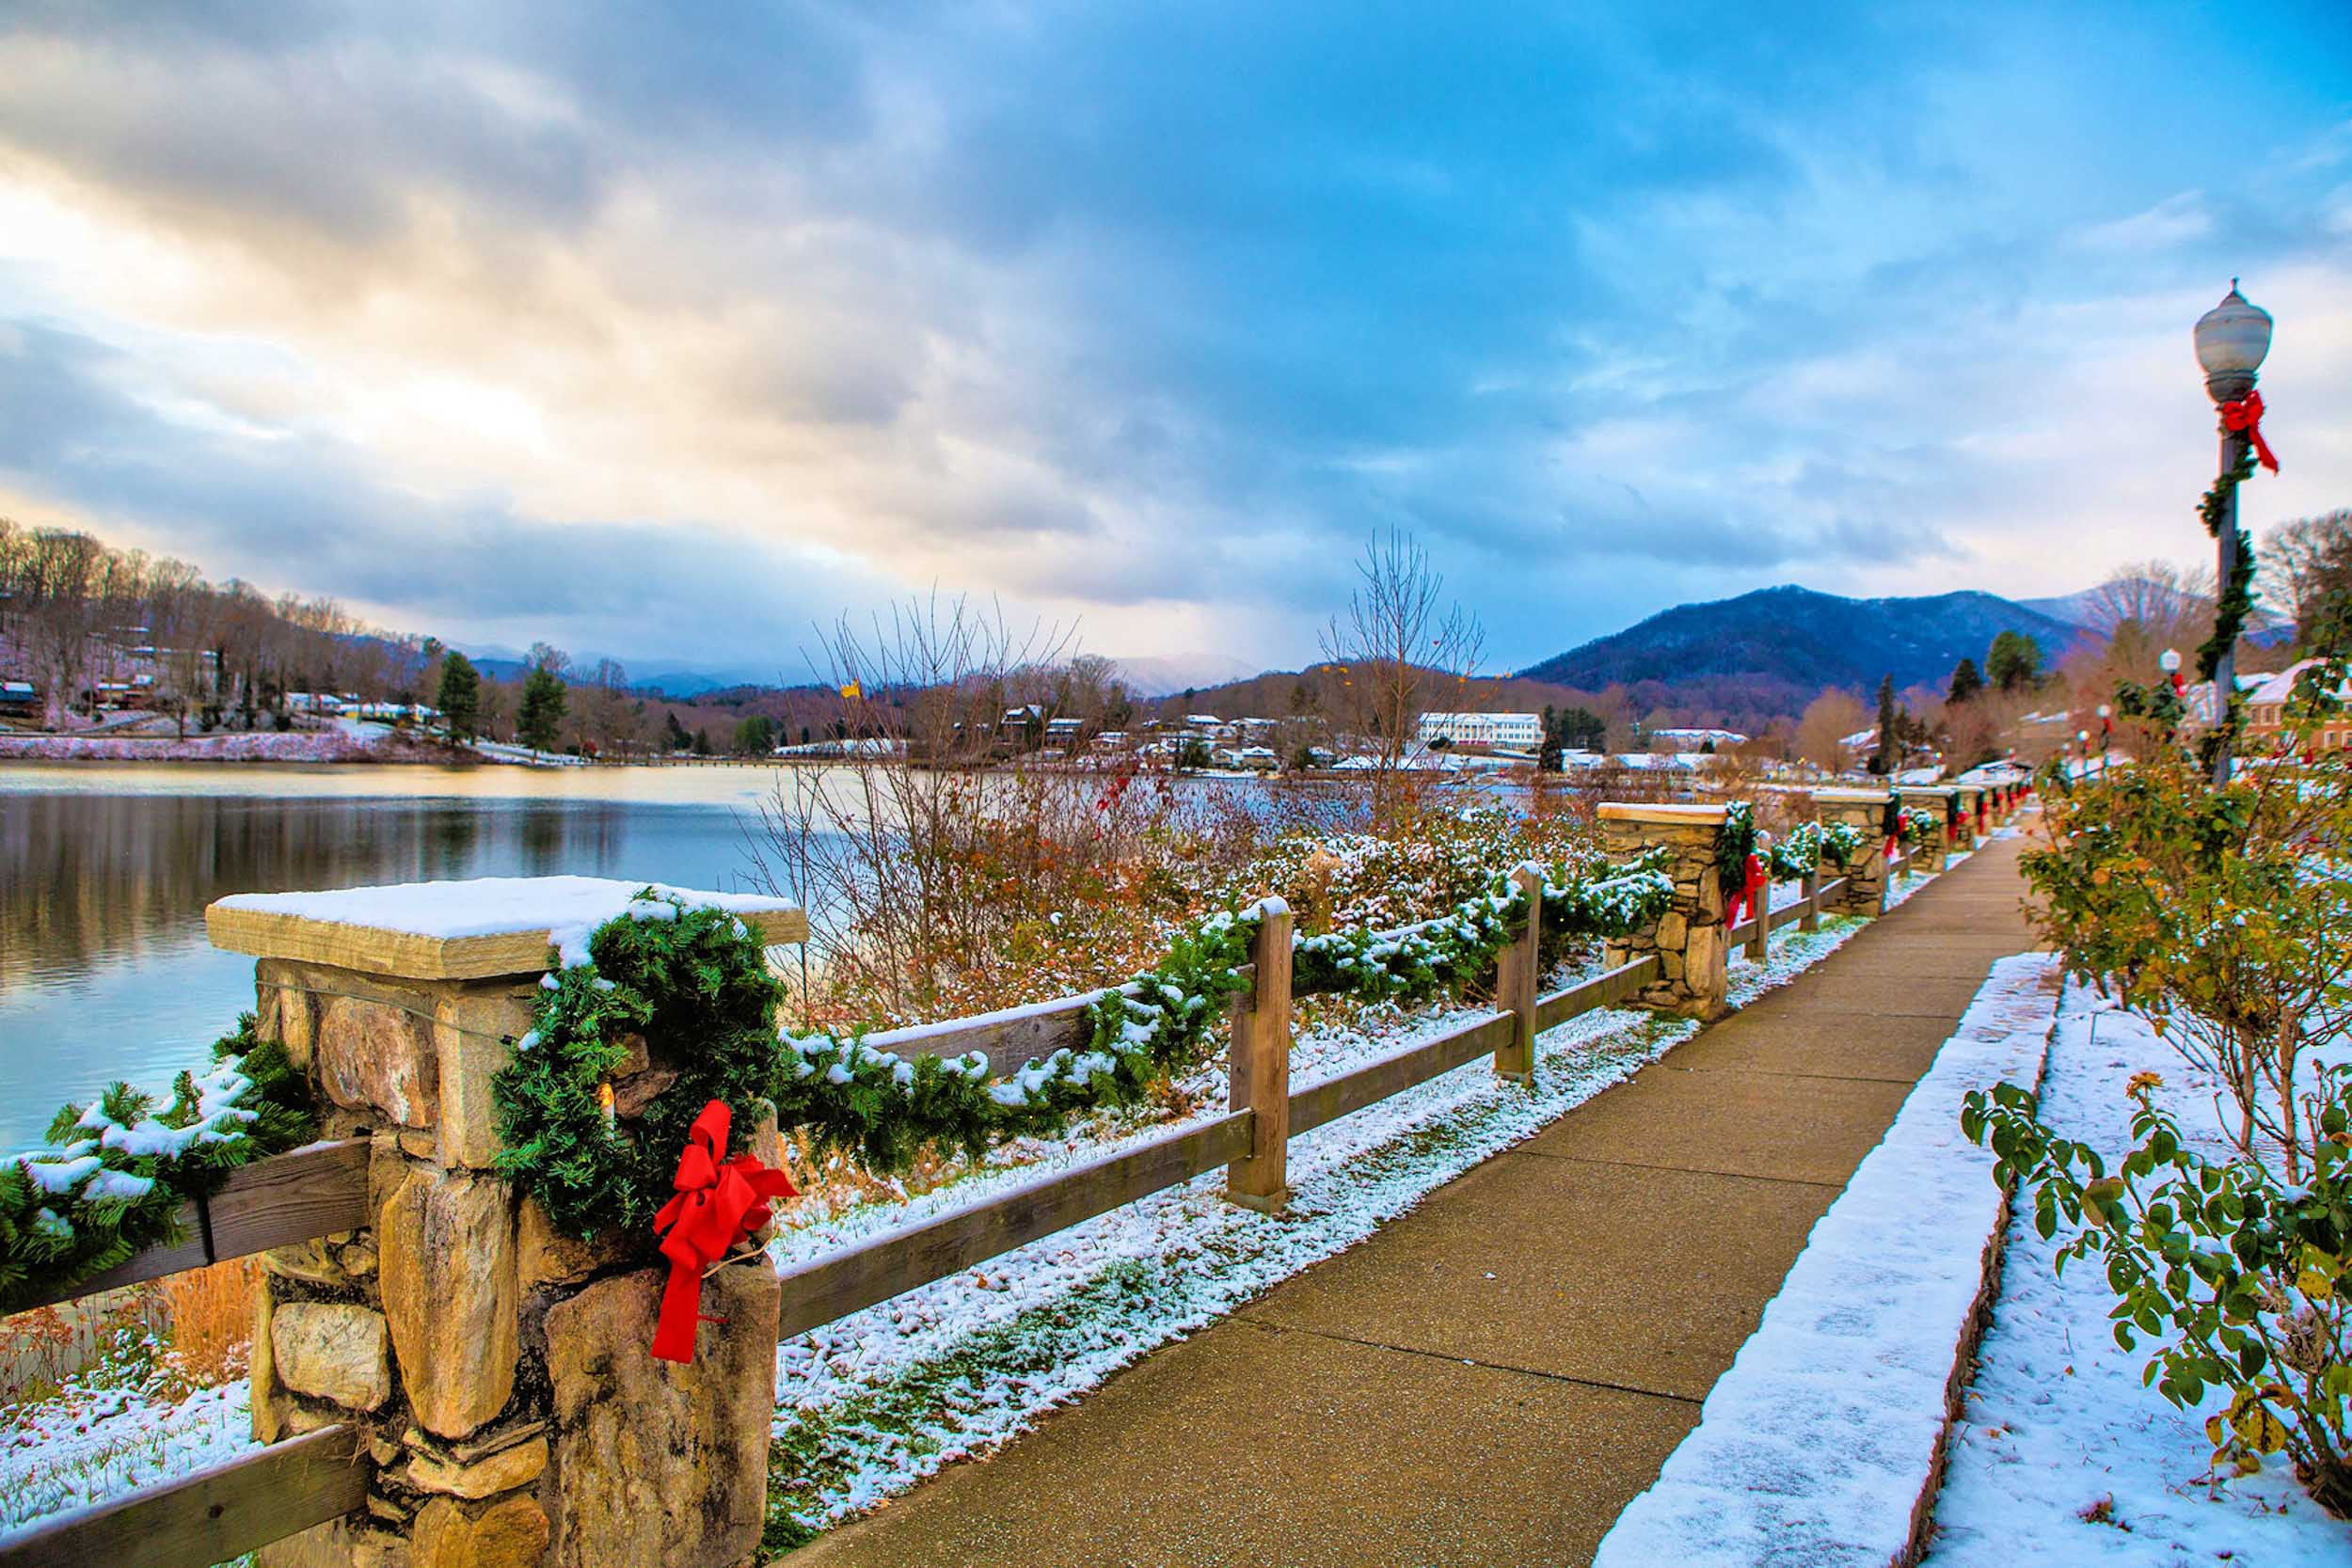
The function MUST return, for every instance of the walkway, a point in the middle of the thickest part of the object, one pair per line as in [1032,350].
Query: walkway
[1492,1377]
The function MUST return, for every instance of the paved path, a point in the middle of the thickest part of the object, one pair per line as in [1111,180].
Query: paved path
[1493,1376]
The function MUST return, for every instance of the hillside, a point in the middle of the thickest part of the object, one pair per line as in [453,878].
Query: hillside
[1782,645]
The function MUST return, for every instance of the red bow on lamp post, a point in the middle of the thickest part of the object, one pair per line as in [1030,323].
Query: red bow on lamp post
[2245,418]
[718,1206]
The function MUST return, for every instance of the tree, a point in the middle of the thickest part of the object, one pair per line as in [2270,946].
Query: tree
[2311,562]
[1888,757]
[542,713]
[1828,719]
[1399,644]
[755,736]
[1966,683]
[678,741]
[702,742]
[460,697]
[2013,662]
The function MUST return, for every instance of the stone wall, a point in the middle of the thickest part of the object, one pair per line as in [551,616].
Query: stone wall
[1689,938]
[515,1416]
[1936,800]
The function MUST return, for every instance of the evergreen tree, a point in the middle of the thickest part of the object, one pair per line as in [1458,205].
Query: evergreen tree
[1966,683]
[1884,760]
[2015,661]
[542,710]
[702,742]
[756,736]
[460,697]
[676,739]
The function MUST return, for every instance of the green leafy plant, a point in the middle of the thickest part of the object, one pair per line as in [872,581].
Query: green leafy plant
[2238,1278]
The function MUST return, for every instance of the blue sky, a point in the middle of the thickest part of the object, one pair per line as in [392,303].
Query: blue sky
[667,331]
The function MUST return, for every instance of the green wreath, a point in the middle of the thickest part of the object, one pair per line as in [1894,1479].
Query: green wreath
[689,987]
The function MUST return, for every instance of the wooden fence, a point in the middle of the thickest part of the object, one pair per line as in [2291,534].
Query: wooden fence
[217,1513]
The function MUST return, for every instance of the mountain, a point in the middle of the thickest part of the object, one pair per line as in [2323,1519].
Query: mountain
[1783,646]
[1165,674]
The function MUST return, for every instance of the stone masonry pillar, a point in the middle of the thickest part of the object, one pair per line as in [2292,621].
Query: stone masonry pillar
[1864,892]
[513,1416]
[1689,938]
[1936,800]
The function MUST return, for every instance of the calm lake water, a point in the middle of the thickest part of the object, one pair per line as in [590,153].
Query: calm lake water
[105,871]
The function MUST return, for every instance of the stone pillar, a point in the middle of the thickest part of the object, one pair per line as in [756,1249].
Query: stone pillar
[1864,892]
[1935,800]
[1689,938]
[1967,795]
[513,1413]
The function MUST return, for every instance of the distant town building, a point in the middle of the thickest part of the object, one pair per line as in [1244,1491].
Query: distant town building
[1697,741]
[1514,730]
[2266,706]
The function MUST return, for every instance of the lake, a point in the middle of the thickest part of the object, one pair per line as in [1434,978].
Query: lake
[105,871]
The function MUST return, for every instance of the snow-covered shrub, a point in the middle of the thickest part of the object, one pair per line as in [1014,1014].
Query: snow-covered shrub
[2239,1276]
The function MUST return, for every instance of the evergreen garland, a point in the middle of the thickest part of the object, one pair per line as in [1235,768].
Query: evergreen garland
[688,982]
[885,1108]
[116,1172]
[1736,844]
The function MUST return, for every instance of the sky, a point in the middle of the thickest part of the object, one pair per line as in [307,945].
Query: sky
[672,331]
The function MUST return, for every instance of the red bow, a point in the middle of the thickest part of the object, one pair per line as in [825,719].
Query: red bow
[1744,904]
[717,1208]
[2248,417]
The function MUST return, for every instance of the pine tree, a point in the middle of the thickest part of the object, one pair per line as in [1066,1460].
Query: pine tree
[678,741]
[460,697]
[542,711]
[2015,661]
[1966,683]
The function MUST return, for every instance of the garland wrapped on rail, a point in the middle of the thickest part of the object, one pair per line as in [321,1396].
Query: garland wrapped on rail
[1802,850]
[116,1172]
[887,1107]
[1736,842]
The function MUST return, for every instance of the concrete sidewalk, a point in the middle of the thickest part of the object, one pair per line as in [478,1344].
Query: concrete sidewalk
[1492,1377]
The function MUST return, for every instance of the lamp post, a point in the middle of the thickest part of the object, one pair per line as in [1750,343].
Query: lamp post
[2232,340]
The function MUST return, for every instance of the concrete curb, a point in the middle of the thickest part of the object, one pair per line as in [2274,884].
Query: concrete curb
[1824,1444]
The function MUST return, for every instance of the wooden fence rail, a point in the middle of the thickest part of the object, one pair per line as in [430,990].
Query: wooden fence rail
[233,1507]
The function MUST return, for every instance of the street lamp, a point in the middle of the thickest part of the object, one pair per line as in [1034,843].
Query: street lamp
[2232,340]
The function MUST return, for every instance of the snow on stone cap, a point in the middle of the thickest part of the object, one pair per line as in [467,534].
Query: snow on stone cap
[490,926]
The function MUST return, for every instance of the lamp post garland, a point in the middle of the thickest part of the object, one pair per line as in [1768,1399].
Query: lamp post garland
[2232,340]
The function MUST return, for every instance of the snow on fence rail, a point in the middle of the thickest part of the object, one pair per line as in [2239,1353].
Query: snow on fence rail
[291,1485]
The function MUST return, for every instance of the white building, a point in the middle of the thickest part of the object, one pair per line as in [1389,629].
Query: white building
[1521,731]
[1698,741]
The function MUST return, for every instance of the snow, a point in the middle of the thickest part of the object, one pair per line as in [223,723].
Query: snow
[868,1404]
[569,909]
[1817,1444]
[101,1437]
[2058,1423]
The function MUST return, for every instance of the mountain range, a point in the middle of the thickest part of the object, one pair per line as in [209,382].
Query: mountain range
[1780,646]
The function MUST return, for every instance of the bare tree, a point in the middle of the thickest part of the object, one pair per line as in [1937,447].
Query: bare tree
[1822,729]
[2308,563]
[1400,647]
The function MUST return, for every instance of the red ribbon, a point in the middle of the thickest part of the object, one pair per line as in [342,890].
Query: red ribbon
[1751,889]
[718,1206]
[2246,418]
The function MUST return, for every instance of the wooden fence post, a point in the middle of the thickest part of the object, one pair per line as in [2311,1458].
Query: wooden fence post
[1812,921]
[1758,947]
[1258,1074]
[1517,973]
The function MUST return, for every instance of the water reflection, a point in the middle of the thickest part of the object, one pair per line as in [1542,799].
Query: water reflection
[104,970]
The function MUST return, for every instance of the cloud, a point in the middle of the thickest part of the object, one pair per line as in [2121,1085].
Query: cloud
[1145,316]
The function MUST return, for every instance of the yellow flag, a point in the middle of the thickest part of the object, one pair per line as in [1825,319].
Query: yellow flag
[853,690]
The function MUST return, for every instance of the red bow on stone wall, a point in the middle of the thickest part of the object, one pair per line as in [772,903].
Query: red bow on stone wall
[718,1206]
[2247,418]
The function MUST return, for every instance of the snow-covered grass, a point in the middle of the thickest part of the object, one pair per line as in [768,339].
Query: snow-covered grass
[1818,1443]
[870,1403]
[2063,1456]
[124,1423]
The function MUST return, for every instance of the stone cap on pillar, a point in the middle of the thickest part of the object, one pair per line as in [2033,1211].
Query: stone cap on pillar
[1941,792]
[459,930]
[1684,816]
[1853,797]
